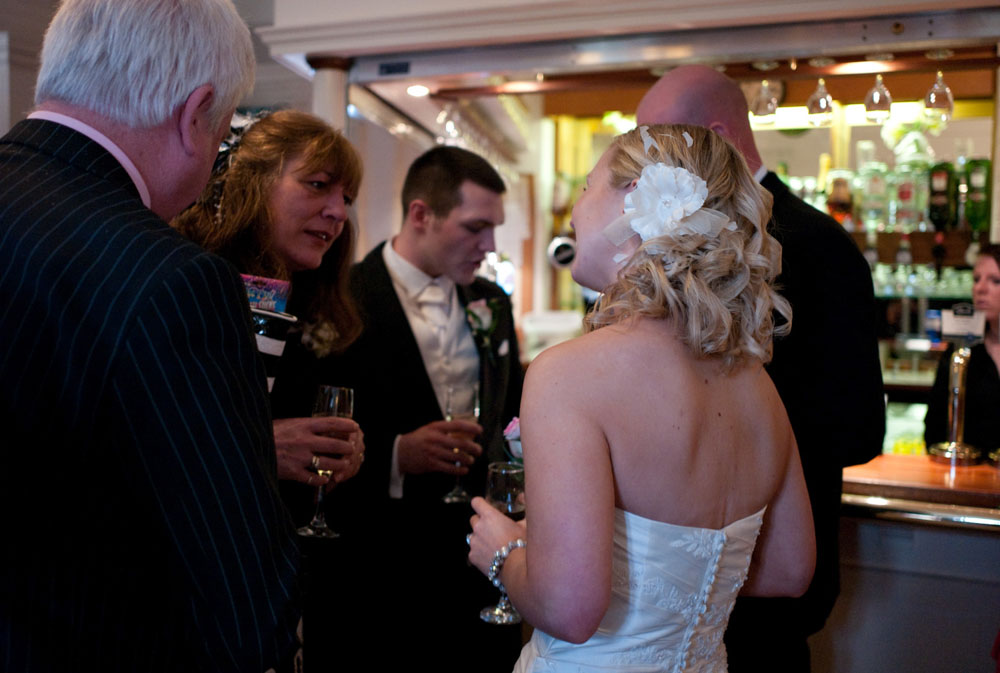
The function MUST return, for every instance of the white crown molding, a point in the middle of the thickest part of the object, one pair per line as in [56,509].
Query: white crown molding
[387,28]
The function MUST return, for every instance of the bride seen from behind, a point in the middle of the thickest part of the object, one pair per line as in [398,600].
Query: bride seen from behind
[654,443]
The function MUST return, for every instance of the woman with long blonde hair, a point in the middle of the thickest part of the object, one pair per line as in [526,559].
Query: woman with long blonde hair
[656,448]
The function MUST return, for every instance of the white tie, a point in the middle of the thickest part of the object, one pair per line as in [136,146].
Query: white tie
[435,306]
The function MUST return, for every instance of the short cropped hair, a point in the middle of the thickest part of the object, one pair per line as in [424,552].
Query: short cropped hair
[135,61]
[718,290]
[436,177]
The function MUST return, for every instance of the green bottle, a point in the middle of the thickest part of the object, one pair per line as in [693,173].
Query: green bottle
[977,199]
[943,201]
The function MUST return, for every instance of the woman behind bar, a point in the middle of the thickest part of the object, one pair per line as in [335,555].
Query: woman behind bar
[982,385]
[655,446]
[276,207]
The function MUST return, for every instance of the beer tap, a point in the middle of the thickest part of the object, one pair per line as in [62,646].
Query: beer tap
[956,451]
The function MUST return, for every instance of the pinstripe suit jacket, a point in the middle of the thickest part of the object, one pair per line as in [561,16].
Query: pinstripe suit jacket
[141,524]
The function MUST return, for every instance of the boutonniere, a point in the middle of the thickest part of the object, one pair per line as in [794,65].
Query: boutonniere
[319,337]
[482,317]
[512,440]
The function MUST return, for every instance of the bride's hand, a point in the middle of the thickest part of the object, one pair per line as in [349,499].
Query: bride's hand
[491,530]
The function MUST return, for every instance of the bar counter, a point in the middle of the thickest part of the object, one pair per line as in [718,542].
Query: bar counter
[919,489]
[919,560]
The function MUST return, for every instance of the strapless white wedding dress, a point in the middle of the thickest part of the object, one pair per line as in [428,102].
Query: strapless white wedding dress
[672,589]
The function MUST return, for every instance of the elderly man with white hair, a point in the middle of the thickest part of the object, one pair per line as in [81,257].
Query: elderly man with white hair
[142,525]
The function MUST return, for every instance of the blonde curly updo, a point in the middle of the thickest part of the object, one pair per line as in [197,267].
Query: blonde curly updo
[717,290]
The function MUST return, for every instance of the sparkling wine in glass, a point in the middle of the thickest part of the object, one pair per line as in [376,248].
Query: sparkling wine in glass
[505,491]
[461,407]
[330,401]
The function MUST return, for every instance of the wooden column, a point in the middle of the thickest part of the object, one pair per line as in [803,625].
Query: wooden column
[330,87]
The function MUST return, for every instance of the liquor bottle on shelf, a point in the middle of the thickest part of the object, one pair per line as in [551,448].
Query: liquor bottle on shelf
[871,249]
[977,198]
[938,252]
[904,253]
[943,198]
[839,200]
[908,196]
[963,149]
[871,188]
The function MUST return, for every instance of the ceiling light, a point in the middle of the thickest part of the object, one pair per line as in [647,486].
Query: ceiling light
[765,66]
[821,61]
[939,54]
[939,104]
[878,102]
[417,90]
[880,56]
[820,106]
[764,105]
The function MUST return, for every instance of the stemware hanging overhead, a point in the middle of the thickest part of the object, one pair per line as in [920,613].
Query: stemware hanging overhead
[878,102]
[820,106]
[939,104]
[764,105]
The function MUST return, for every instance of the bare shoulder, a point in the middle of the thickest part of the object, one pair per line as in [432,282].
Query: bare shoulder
[590,356]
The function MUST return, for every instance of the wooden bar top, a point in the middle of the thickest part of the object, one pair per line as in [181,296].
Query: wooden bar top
[920,478]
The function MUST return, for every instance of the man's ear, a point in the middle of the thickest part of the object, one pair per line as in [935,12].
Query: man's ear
[720,128]
[193,118]
[419,215]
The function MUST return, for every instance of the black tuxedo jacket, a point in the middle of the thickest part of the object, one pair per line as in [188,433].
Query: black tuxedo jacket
[410,553]
[828,375]
[142,528]
[394,395]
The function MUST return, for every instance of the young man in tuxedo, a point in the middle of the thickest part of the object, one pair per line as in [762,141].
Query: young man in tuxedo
[417,293]
[142,525]
[826,370]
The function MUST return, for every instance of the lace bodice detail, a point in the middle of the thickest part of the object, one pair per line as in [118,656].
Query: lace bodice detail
[672,589]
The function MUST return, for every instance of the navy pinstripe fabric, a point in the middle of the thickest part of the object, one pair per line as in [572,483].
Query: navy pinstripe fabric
[142,528]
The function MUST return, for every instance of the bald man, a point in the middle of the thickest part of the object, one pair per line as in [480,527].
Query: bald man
[826,370]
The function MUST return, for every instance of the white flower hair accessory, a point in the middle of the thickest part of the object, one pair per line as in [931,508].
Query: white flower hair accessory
[670,200]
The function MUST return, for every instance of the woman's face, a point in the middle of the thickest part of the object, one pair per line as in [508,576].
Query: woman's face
[308,212]
[986,287]
[597,206]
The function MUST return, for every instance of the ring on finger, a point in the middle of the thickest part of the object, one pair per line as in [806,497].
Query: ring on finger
[315,462]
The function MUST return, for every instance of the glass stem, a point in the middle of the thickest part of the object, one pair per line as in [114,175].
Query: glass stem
[319,518]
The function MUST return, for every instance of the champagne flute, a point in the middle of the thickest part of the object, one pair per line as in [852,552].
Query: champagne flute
[458,409]
[330,401]
[505,491]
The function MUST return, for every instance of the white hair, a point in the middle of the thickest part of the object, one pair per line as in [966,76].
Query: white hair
[135,61]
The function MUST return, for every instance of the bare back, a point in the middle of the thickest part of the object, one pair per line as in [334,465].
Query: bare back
[682,442]
[689,444]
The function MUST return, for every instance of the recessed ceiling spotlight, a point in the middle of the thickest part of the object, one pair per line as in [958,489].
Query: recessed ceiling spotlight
[821,61]
[417,90]
[939,54]
[881,56]
[765,66]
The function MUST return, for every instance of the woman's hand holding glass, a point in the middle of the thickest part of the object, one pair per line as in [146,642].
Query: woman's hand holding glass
[491,530]
[494,535]
[337,442]
[331,402]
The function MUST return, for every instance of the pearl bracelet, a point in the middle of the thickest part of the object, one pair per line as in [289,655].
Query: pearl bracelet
[499,558]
